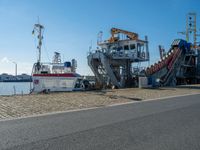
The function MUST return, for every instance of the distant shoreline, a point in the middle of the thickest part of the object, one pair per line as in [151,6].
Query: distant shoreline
[17,78]
[16,81]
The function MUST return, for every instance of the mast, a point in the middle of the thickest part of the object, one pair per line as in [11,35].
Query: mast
[191,29]
[39,29]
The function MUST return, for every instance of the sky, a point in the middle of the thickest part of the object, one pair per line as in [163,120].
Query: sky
[71,27]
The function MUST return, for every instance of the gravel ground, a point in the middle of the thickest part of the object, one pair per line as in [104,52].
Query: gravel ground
[27,105]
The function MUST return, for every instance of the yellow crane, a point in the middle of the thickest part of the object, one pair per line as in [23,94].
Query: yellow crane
[115,31]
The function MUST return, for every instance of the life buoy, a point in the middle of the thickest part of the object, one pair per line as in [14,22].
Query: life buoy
[36,81]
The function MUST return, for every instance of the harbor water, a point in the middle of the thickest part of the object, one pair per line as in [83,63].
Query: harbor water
[11,88]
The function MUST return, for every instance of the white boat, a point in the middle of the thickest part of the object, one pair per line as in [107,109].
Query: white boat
[55,76]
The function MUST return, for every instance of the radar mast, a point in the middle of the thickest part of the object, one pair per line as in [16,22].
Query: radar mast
[39,29]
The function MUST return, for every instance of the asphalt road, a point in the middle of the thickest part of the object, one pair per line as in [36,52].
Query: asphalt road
[170,124]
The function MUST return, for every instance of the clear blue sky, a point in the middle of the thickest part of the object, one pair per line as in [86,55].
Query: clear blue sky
[71,25]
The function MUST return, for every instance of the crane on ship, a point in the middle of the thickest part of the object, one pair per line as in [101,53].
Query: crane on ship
[112,61]
[115,32]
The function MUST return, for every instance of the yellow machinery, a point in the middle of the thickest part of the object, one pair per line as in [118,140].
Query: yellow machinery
[115,31]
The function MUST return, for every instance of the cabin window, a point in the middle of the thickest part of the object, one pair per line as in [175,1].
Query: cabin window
[114,48]
[132,46]
[119,48]
[126,47]
[44,72]
[140,47]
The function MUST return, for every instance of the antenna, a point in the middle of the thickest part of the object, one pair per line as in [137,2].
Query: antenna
[56,58]
[99,37]
[39,29]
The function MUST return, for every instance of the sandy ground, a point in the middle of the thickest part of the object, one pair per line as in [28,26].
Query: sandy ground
[27,105]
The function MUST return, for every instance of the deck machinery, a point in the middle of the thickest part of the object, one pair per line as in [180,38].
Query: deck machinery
[112,62]
[181,64]
[178,66]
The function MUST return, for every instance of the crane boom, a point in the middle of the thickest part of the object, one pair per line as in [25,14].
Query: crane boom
[130,35]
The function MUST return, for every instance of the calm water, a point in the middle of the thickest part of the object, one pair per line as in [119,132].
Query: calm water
[9,88]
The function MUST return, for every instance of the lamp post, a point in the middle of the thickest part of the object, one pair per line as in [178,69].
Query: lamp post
[15,68]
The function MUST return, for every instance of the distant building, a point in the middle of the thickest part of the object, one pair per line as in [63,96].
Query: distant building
[24,77]
[5,77]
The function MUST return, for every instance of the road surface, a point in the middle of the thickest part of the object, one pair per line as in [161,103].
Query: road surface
[168,124]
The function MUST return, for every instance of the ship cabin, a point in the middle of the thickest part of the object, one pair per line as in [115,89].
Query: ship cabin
[135,50]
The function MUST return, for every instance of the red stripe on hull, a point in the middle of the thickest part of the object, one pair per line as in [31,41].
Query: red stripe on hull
[55,75]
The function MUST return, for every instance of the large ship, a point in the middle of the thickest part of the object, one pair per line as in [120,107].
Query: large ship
[112,62]
[54,76]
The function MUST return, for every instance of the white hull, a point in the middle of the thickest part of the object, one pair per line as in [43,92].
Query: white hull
[54,84]
[55,76]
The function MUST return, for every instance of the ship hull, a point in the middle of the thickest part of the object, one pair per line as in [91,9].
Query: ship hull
[56,82]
